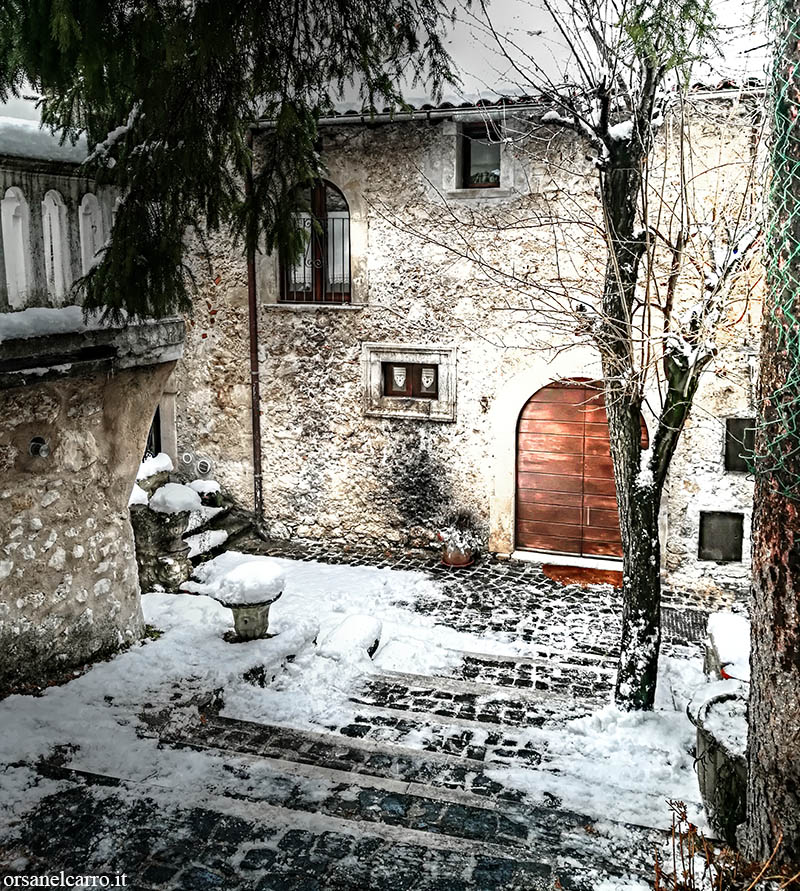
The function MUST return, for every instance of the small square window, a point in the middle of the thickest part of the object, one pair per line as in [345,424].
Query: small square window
[480,156]
[721,536]
[412,379]
[740,435]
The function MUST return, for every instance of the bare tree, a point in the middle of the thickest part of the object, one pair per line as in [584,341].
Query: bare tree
[626,69]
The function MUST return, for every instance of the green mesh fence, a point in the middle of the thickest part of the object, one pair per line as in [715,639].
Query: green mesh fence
[778,453]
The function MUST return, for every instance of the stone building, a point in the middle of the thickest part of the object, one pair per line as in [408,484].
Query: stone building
[396,358]
[76,402]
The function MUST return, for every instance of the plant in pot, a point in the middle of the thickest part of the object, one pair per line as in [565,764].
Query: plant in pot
[460,538]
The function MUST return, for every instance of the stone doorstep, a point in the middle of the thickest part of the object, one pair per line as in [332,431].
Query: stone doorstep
[260,811]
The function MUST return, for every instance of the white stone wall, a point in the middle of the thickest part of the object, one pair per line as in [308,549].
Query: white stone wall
[331,471]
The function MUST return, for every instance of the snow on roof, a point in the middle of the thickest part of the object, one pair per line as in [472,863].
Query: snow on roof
[28,139]
[40,321]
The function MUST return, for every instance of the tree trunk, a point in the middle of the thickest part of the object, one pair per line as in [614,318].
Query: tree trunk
[638,504]
[773,754]
[641,591]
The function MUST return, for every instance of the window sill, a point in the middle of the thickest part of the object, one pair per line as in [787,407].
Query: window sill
[479,193]
[310,307]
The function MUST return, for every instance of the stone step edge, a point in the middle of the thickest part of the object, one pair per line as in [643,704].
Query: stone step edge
[604,663]
[364,780]
[255,811]
[377,747]
[429,719]
[457,685]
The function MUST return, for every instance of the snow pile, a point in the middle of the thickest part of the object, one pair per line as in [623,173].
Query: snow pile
[27,139]
[40,321]
[355,636]
[727,722]
[729,634]
[138,495]
[160,463]
[173,498]
[205,487]
[205,541]
[254,582]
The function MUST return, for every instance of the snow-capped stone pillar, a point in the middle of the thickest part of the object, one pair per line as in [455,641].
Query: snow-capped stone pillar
[76,401]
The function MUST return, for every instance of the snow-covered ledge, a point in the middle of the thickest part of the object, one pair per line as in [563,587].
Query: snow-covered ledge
[44,342]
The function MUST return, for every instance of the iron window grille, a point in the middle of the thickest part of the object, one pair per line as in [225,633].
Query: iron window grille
[153,446]
[322,273]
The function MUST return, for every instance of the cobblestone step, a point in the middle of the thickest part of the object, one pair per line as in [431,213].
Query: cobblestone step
[443,699]
[365,758]
[243,846]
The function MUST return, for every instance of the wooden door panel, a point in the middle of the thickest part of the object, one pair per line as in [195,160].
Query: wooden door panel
[570,395]
[606,518]
[599,487]
[601,549]
[566,498]
[557,544]
[546,514]
[596,447]
[541,496]
[603,502]
[595,430]
[550,411]
[549,428]
[543,442]
[542,462]
[549,483]
[595,467]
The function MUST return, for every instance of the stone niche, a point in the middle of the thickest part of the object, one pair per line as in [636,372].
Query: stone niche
[72,432]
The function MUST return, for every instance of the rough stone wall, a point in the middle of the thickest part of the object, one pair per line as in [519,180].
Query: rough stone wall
[331,472]
[68,581]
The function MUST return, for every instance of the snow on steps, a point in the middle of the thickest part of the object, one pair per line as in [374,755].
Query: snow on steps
[235,840]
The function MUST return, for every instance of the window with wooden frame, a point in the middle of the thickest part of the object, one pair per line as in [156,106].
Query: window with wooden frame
[480,156]
[413,379]
[721,536]
[740,439]
[322,273]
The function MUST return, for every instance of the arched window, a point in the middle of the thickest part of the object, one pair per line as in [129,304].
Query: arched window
[90,221]
[16,245]
[322,274]
[56,251]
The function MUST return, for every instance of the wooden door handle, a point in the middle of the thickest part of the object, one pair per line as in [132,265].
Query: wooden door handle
[588,516]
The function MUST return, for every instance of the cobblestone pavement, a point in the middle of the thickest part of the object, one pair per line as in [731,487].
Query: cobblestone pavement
[399,796]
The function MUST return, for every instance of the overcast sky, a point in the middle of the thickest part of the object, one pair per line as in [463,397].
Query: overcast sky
[483,68]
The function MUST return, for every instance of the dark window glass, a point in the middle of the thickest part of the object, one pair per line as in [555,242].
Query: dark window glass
[153,446]
[413,379]
[480,160]
[740,437]
[322,273]
[721,536]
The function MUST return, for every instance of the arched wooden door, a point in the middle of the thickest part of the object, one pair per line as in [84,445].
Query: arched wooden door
[566,501]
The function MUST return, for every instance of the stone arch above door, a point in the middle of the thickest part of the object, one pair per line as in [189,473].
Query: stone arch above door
[512,395]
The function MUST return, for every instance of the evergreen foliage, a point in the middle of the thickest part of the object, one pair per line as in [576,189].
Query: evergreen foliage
[166,90]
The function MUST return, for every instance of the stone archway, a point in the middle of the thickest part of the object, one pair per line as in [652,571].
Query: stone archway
[509,402]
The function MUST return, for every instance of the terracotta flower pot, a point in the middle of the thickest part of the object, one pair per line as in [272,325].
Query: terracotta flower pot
[453,555]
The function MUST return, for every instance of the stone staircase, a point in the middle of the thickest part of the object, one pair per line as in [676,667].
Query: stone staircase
[399,797]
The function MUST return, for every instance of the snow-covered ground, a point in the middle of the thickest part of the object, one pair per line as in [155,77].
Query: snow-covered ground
[610,765]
